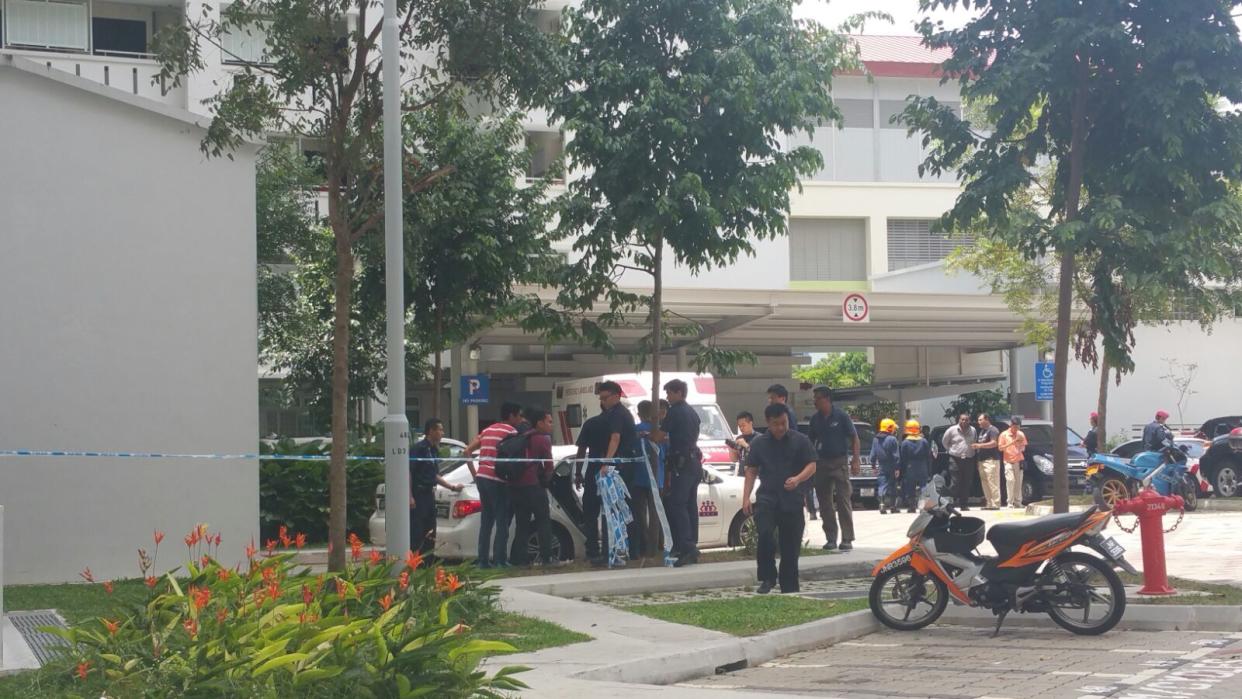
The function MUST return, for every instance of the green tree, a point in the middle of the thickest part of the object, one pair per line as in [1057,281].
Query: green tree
[993,403]
[678,113]
[320,81]
[1139,199]
[846,370]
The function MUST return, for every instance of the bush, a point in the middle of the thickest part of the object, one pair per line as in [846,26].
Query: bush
[295,493]
[273,631]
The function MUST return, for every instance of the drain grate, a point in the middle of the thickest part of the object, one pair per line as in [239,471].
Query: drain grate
[41,643]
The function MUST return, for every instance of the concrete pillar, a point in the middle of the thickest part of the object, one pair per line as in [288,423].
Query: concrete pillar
[213,78]
[453,409]
[1,585]
[902,415]
[681,359]
[1012,359]
[471,423]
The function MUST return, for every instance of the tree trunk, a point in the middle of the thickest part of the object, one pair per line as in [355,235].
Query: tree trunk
[1065,295]
[340,401]
[436,369]
[1101,407]
[657,319]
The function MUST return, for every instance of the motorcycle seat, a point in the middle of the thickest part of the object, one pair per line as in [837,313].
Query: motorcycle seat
[1011,535]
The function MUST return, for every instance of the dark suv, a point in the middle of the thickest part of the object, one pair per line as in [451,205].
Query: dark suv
[1037,472]
[1221,467]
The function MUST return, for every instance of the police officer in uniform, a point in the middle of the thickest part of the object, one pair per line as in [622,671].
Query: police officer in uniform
[684,461]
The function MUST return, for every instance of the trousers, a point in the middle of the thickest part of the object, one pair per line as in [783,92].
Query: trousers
[779,531]
[423,522]
[592,505]
[497,514]
[887,486]
[832,487]
[530,507]
[913,478]
[962,472]
[1013,483]
[989,477]
[683,508]
[640,506]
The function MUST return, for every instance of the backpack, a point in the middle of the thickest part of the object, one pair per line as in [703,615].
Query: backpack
[512,447]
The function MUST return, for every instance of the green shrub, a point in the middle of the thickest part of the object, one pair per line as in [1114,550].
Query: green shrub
[382,628]
[294,493]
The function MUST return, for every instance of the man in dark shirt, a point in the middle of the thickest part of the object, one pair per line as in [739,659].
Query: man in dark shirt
[779,395]
[529,494]
[681,430]
[783,460]
[833,434]
[1092,441]
[987,454]
[424,475]
[592,443]
[1156,433]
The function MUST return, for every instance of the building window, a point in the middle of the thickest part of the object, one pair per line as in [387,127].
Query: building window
[47,24]
[911,242]
[545,148]
[245,44]
[856,114]
[827,250]
[119,36]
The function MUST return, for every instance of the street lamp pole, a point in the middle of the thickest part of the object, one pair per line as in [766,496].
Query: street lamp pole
[396,424]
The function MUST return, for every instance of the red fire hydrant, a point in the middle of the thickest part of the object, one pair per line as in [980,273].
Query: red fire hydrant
[1150,507]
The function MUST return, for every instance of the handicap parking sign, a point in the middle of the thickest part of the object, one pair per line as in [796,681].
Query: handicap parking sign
[1044,372]
[475,389]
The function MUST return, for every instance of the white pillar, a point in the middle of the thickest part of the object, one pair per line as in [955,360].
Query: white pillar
[1,585]
[213,77]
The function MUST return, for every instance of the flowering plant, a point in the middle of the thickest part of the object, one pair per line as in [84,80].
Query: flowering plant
[268,628]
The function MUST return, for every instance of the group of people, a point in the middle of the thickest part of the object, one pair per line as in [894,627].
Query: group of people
[983,450]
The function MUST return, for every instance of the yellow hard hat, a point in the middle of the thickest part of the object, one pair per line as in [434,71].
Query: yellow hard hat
[888,425]
[913,427]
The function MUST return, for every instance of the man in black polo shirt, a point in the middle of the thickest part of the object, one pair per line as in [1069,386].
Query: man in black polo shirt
[424,475]
[783,460]
[685,462]
[833,434]
[592,443]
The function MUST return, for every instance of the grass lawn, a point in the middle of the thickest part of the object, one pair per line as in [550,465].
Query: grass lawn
[1217,595]
[749,616]
[527,634]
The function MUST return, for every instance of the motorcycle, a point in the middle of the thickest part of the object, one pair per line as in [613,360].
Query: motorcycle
[1114,478]
[1035,569]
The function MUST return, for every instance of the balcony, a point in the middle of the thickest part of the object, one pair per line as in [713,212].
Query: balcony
[107,43]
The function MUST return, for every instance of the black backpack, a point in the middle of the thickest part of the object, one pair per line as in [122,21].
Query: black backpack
[512,447]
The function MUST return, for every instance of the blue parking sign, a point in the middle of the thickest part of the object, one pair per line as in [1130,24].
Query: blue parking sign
[475,389]
[1044,372]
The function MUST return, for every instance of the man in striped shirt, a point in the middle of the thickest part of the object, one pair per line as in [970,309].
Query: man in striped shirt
[493,491]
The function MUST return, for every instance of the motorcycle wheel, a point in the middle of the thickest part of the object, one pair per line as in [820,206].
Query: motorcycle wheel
[1081,579]
[1190,493]
[898,593]
[1110,491]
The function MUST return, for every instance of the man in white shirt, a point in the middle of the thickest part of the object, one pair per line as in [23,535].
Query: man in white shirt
[959,441]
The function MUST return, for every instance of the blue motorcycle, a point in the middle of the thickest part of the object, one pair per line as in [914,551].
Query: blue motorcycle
[1114,478]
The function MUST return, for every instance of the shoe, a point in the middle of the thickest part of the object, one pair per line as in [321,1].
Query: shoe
[791,592]
[830,546]
[846,546]
[688,559]
[883,511]
[765,587]
[910,511]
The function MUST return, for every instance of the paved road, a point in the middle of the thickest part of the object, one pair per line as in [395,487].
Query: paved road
[1204,547]
[948,662]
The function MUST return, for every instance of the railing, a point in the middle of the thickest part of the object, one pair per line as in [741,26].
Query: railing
[124,71]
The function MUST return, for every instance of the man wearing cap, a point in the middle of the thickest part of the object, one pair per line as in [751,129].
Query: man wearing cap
[1092,441]
[1156,433]
[835,439]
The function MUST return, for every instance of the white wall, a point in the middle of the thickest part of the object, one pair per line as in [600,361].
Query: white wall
[1144,392]
[127,269]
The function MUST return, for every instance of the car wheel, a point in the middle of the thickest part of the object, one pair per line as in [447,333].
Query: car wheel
[562,545]
[1226,480]
[1032,491]
[743,531]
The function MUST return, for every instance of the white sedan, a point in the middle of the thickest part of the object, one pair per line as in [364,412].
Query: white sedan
[721,520]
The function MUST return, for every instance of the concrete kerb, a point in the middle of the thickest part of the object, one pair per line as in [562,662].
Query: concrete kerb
[1138,617]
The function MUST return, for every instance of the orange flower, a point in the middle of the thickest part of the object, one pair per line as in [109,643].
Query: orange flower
[376,557]
[251,550]
[204,561]
[299,541]
[107,586]
[158,536]
[84,667]
[259,597]
[221,615]
[150,581]
[224,574]
[447,583]
[355,546]
[453,585]
[404,579]
[191,539]
[202,531]
[191,627]
[413,559]
[271,546]
[307,595]
[386,601]
[218,539]
[273,590]
[113,626]
[87,575]
[200,595]
[441,578]
[285,541]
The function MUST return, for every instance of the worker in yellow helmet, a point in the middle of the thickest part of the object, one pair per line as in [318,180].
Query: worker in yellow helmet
[916,459]
[886,456]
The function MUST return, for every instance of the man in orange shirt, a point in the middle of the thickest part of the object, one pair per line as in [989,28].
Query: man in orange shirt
[1012,444]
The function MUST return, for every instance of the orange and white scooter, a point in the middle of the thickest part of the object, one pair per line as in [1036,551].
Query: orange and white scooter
[1034,570]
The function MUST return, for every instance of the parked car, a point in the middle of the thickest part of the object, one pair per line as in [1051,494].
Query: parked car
[1221,465]
[1194,447]
[721,520]
[865,493]
[1219,426]
[1038,468]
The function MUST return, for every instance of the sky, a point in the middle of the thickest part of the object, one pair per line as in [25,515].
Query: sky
[905,13]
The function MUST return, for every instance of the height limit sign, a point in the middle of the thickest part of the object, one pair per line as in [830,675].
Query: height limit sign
[855,309]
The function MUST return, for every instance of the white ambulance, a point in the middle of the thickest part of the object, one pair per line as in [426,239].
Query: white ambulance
[574,401]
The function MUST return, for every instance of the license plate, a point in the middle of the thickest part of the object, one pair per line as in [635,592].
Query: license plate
[1112,548]
[867,492]
[442,510]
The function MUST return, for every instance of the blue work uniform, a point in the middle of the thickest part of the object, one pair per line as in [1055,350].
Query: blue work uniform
[886,456]
[916,458]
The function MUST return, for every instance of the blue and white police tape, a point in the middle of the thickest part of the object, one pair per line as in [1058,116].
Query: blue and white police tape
[617,515]
[659,508]
[288,457]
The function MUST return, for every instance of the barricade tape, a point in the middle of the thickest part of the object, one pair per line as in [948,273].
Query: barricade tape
[294,457]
